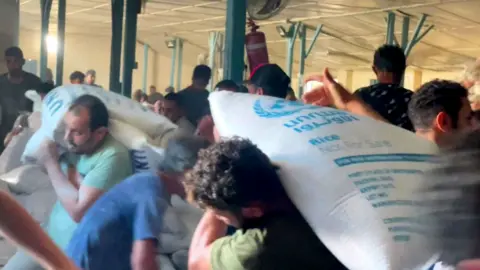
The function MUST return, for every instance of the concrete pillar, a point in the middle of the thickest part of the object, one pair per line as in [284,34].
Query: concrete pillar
[9,27]
[345,77]
[417,79]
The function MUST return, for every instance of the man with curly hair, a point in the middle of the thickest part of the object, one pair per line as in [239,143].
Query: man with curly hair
[236,184]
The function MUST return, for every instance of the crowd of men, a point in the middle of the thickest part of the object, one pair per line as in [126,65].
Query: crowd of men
[107,218]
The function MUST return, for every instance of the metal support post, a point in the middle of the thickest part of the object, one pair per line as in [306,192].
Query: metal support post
[179,45]
[235,40]
[212,45]
[146,48]
[15,23]
[172,68]
[133,9]
[291,36]
[45,7]
[417,36]
[62,10]
[390,28]
[305,52]
[405,31]
[303,55]
[116,45]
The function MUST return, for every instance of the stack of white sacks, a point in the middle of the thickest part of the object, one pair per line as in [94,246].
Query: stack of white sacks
[142,131]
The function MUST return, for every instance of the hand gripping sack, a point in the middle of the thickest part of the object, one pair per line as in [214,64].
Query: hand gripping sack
[351,177]
[57,102]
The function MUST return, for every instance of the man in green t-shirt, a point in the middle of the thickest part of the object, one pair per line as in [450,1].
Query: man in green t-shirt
[94,163]
[237,185]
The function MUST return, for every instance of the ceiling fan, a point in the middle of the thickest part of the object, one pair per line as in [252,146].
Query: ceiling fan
[265,9]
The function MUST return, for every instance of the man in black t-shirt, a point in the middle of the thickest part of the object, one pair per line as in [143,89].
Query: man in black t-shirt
[13,86]
[388,98]
[195,97]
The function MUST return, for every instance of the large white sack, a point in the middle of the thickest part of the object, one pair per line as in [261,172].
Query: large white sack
[187,213]
[36,99]
[11,155]
[27,179]
[39,204]
[145,156]
[57,102]
[180,220]
[164,263]
[32,188]
[350,176]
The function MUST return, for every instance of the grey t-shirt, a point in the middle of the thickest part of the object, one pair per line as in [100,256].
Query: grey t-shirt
[13,100]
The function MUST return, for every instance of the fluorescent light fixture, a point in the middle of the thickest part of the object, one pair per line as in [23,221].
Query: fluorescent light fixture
[170,43]
[281,31]
[52,44]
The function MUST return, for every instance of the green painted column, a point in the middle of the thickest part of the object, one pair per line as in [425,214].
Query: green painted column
[132,10]
[45,8]
[172,67]
[291,36]
[146,48]
[116,45]
[390,28]
[234,53]
[179,44]
[212,45]
[62,10]
[303,56]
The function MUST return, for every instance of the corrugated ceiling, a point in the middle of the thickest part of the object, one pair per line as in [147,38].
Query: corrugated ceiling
[359,27]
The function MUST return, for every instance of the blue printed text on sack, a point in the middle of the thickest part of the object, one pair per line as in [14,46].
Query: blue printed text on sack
[318,119]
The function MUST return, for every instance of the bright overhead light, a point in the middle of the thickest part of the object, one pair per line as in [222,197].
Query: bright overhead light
[281,31]
[52,44]
[170,44]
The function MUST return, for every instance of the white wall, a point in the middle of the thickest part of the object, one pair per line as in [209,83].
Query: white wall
[83,52]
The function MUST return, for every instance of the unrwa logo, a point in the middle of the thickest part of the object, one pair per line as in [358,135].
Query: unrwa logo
[139,160]
[279,108]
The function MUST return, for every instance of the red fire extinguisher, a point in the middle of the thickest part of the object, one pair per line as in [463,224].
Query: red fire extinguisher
[256,45]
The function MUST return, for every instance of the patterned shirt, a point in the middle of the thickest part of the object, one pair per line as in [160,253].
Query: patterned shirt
[390,101]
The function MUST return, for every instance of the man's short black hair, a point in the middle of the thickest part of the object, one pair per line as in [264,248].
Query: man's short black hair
[390,58]
[45,88]
[202,72]
[434,97]
[14,52]
[232,174]
[272,79]
[97,110]
[227,84]
[77,75]
[181,153]
[175,97]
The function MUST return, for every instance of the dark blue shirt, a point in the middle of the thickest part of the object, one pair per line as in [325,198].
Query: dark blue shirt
[130,211]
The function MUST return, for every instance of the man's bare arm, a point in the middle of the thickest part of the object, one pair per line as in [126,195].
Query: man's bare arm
[75,201]
[19,227]
[340,97]
[144,254]
[208,230]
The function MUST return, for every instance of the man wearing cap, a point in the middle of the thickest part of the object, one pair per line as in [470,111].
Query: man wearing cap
[269,80]
[13,86]
[90,77]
